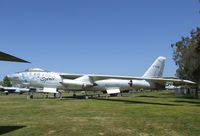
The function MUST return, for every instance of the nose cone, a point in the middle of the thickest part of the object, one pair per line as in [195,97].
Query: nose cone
[13,77]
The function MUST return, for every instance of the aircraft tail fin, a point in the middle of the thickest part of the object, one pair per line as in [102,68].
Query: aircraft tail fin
[156,69]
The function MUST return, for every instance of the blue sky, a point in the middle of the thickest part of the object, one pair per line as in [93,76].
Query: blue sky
[120,37]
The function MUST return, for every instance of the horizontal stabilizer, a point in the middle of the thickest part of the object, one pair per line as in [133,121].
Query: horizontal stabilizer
[112,90]
[173,80]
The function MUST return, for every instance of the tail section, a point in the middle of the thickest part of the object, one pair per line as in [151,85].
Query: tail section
[156,69]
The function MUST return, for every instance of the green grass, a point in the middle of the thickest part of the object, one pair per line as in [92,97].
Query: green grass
[142,114]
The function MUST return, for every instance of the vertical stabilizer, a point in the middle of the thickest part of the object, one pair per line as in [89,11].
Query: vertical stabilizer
[156,69]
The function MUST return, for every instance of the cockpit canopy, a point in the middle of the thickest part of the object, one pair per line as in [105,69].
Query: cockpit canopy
[34,70]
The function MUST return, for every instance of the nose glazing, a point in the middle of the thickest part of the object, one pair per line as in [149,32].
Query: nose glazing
[13,77]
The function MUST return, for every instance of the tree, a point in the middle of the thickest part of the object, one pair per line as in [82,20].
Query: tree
[186,54]
[6,82]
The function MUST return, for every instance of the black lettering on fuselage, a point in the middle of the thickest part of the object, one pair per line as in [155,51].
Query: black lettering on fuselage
[44,79]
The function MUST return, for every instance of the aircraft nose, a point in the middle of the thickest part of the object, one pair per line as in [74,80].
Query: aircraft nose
[13,77]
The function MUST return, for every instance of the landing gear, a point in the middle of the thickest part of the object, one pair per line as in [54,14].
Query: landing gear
[86,97]
[74,95]
[54,95]
[60,94]
[113,95]
[30,95]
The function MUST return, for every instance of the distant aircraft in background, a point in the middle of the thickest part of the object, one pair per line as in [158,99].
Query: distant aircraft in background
[8,57]
[52,82]
[9,90]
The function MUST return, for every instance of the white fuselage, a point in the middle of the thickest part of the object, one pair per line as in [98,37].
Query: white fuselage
[38,79]
[54,80]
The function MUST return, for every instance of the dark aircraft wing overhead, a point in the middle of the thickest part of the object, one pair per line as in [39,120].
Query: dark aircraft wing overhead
[8,57]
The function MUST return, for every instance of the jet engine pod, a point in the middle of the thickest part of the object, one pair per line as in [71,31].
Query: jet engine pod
[74,84]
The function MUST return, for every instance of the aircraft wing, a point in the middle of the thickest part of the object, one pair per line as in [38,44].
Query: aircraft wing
[162,80]
[98,77]
[8,57]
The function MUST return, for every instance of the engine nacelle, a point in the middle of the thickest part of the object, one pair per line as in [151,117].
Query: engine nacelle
[123,83]
[74,84]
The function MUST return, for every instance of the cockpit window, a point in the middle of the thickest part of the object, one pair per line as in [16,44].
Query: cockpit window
[35,70]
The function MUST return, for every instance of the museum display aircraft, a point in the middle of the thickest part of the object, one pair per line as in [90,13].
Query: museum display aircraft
[9,90]
[52,82]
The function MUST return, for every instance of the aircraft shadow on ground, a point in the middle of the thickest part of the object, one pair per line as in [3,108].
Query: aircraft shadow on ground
[7,129]
[190,102]
[148,96]
[121,100]
[63,97]
[77,97]
[139,102]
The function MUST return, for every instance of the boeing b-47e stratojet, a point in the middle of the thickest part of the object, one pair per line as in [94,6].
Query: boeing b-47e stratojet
[52,82]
